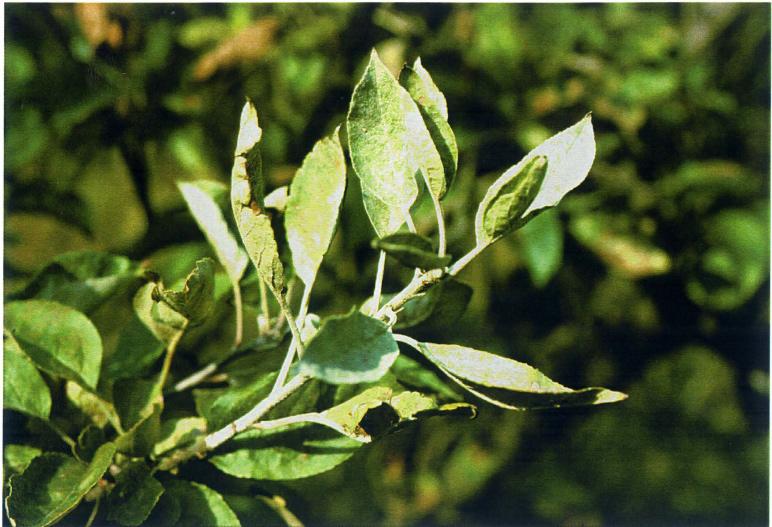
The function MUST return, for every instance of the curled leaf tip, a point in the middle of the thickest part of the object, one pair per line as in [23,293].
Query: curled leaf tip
[250,132]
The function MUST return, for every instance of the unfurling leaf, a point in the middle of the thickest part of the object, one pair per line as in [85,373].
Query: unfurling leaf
[506,201]
[53,485]
[23,387]
[569,155]
[202,202]
[59,339]
[247,194]
[313,206]
[508,383]
[434,110]
[196,299]
[412,250]
[163,322]
[389,146]
[350,349]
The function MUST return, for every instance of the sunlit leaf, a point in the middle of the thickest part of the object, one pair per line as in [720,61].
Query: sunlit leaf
[200,197]
[434,110]
[313,206]
[53,485]
[504,205]
[16,458]
[196,299]
[247,194]
[59,339]
[23,387]
[508,383]
[389,146]
[349,349]
[411,249]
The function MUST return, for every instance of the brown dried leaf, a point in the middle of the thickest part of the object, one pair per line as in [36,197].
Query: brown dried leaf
[251,44]
[94,21]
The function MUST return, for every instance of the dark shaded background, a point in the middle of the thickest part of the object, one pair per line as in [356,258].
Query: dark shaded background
[652,279]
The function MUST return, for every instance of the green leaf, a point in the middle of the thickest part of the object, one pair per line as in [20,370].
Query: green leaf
[504,205]
[16,458]
[200,505]
[277,199]
[89,441]
[53,485]
[177,433]
[541,240]
[247,193]
[135,399]
[508,383]
[196,299]
[389,145]
[569,154]
[33,239]
[413,250]
[313,206]
[350,349]
[163,322]
[99,411]
[294,452]
[138,441]
[135,494]
[221,406]
[735,263]
[136,351]
[413,374]
[434,110]
[59,339]
[201,199]
[23,387]
[81,279]
[115,225]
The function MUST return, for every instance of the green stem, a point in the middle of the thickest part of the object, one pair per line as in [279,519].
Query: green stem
[62,435]
[170,349]
[293,347]
[379,281]
[93,514]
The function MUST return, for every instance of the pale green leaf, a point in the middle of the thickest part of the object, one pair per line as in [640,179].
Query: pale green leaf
[200,505]
[23,387]
[201,199]
[247,194]
[277,199]
[350,349]
[59,339]
[81,279]
[434,110]
[411,249]
[294,452]
[53,485]
[508,383]
[313,206]
[504,205]
[570,154]
[389,146]
[135,494]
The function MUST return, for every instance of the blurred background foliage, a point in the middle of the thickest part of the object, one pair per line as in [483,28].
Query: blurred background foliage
[652,278]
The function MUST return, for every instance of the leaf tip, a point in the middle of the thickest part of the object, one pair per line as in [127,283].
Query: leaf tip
[250,132]
[609,396]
